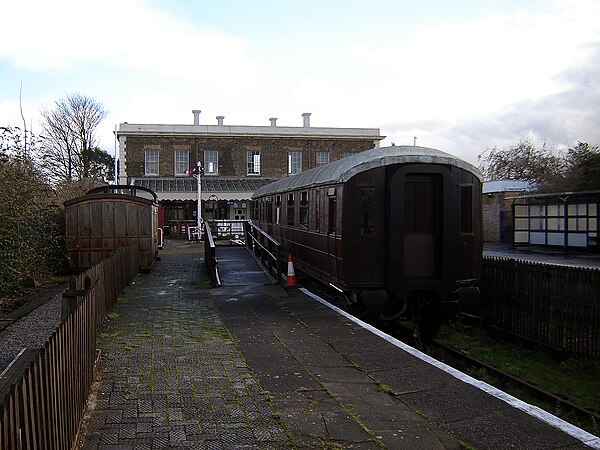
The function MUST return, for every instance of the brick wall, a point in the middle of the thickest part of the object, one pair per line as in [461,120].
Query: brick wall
[232,153]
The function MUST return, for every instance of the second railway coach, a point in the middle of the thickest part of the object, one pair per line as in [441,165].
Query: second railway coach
[394,230]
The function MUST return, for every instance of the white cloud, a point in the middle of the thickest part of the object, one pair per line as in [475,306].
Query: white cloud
[59,35]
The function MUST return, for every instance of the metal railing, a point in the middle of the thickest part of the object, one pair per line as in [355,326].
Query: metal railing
[265,249]
[210,257]
[227,229]
[43,392]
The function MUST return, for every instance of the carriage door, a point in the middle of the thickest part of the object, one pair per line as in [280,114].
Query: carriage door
[422,214]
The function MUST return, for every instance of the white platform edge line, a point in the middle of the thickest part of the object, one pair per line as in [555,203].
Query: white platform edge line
[573,431]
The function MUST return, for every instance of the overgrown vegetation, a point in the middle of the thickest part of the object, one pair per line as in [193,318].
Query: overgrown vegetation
[31,239]
[37,174]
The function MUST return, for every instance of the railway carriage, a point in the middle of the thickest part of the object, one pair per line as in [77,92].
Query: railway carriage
[393,231]
[108,218]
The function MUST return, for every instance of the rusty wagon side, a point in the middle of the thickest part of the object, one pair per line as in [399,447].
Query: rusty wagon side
[104,220]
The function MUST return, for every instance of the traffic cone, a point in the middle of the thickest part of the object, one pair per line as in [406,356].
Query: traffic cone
[291,275]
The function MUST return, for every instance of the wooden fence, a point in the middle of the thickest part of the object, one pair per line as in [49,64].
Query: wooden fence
[556,306]
[43,392]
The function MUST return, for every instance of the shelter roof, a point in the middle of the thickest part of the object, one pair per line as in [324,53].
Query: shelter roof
[179,188]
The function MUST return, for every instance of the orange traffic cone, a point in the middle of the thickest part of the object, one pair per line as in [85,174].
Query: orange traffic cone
[291,275]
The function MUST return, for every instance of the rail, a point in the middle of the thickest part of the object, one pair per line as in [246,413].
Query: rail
[43,392]
[227,229]
[210,257]
[265,250]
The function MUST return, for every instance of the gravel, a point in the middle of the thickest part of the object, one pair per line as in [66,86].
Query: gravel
[30,331]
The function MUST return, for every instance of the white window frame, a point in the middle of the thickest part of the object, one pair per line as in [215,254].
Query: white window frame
[294,163]
[321,158]
[252,162]
[151,161]
[211,162]
[181,162]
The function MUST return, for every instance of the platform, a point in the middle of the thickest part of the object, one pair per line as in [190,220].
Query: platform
[237,267]
[262,367]
[542,255]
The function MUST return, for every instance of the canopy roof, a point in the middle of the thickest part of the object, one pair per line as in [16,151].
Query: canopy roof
[186,188]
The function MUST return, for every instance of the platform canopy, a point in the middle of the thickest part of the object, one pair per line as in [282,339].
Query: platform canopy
[184,189]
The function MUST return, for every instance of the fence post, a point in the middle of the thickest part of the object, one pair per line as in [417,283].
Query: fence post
[72,296]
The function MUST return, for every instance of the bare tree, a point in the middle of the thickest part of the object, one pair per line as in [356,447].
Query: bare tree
[521,162]
[69,137]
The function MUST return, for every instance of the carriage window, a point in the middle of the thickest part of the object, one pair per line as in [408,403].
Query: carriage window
[419,204]
[332,216]
[270,210]
[317,211]
[254,212]
[304,209]
[278,209]
[466,209]
[290,209]
[367,210]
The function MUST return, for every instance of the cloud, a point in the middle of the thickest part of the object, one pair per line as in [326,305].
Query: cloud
[60,35]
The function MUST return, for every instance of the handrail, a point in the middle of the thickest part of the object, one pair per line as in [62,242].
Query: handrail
[121,187]
[210,257]
[226,228]
[265,249]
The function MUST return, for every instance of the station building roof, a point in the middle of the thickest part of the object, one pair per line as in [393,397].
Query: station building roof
[342,170]
[178,188]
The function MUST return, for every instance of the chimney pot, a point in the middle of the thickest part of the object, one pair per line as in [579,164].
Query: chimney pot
[306,119]
[273,121]
[196,113]
[220,120]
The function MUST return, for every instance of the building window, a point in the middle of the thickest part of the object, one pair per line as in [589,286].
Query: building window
[253,163]
[151,162]
[346,154]
[322,158]
[294,163]
[182,162]
[211,162]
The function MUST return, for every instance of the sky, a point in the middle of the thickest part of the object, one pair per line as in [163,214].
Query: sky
[460,76]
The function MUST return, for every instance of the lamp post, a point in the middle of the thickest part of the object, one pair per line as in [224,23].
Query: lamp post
[198,172]
[214,201]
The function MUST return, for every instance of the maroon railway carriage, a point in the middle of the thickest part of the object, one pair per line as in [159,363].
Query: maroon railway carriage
[108,218]
[394,230]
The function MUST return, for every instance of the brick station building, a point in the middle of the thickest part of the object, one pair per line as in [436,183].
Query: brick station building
[236,160]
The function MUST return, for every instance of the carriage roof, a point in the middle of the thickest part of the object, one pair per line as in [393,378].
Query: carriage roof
[342,170]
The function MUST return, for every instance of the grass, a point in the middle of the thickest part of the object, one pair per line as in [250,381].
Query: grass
[576,379]
[384,388]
